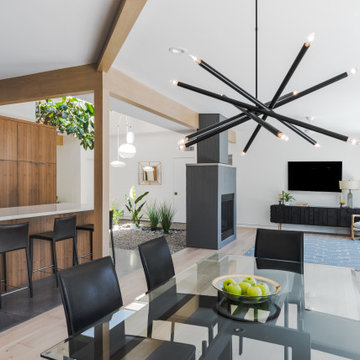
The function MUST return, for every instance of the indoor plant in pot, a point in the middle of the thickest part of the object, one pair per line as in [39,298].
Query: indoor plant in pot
[133,207]
[286,198]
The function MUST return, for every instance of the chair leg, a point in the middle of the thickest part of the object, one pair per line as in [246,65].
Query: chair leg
[75,254]
[91,245]
[112,244]
[53,248]
[29,267]
[5,274]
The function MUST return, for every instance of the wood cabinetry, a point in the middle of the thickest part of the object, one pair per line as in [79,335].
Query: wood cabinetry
[8,140]
[27,163]
[8,183]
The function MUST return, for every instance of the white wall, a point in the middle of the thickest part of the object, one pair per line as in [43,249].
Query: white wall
[262,174]
[75,172]
[159,146]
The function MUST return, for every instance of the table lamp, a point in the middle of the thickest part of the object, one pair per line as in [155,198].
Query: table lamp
[349,185]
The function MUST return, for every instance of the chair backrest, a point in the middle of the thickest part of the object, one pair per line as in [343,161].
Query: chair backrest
[89,292]
[13,237]
[111,214]
[279,245]
[157,262]
[64,227]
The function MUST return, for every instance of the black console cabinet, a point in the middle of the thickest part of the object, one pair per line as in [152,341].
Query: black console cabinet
[309,215]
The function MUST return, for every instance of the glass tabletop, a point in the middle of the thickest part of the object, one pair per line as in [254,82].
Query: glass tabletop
[316,315]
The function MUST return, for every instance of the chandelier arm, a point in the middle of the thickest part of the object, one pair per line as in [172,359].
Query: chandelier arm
[290,126]
[222,126]
[210,127]
[312,89]
[277,95]
[263,111]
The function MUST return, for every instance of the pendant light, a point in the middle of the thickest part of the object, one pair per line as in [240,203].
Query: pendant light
[128,150]
[118,162]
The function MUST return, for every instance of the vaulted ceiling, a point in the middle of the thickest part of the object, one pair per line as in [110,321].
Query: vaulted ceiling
[42,35]
[222,33]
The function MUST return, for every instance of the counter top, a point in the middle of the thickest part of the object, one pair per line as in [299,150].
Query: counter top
[24,212]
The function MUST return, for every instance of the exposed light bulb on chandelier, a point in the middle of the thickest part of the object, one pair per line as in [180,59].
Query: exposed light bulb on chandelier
[353,71]
[317,145]
[310,38]
[181,144]
[352,141]
[173,82]
[282,136]
[195,59]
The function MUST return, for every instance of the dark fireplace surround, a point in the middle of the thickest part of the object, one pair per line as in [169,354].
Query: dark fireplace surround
[211,192]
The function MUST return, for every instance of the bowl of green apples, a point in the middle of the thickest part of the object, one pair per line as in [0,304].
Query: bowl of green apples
[249,289]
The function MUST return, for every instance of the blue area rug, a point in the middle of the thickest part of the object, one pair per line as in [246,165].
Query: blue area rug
[329,251]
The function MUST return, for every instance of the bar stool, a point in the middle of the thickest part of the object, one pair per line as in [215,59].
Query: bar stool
[15,237]
[90,228]
[64,228]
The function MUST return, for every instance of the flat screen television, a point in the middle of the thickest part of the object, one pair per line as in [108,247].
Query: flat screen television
[314,175]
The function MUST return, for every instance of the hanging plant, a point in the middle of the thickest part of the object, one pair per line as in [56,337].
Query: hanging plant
[71,116]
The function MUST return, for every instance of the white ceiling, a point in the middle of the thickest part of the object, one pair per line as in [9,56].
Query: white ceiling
[41,35]
[222,33]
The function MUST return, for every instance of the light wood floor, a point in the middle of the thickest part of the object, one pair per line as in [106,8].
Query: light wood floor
[29,339]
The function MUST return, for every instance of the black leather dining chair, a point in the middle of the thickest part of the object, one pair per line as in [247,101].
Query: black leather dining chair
[89,292]
[64,228]
[15,237]
[159,269]
[279,245]
[157,262]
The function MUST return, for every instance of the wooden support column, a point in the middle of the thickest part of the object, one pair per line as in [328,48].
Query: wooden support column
[101,172]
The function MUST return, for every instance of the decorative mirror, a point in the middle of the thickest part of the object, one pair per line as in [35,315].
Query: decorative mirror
[149,173]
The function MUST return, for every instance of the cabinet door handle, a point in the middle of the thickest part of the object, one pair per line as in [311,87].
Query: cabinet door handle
[38,162]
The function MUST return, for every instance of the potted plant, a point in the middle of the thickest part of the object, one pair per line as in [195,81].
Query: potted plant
[133,208]
[286,198]
[167,213]
[153,215]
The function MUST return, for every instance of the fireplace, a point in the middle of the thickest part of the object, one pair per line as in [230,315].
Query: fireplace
[211,192]
[227,216]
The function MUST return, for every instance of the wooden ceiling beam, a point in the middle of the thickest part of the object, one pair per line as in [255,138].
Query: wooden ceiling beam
[127,89]
[50,84]
[125,18]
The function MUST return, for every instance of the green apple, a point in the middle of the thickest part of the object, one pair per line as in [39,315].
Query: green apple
[254,291]
[250,280]
[244,287]
[264,288]
[228,282]
[234,289]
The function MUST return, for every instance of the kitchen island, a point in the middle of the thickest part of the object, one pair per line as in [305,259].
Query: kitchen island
[41,219]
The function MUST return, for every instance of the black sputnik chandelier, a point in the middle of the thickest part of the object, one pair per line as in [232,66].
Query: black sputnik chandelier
[257,110]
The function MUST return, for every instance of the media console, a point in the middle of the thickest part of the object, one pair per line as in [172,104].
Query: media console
[310,215]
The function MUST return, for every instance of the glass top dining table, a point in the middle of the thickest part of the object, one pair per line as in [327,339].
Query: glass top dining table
[316,315]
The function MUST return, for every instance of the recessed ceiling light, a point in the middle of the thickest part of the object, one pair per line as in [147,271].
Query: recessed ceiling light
[177,51]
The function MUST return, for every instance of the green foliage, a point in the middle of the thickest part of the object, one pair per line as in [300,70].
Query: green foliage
[285,197]
[167,213]
[70,116]
[153,215]
[131,205]
[117,213]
